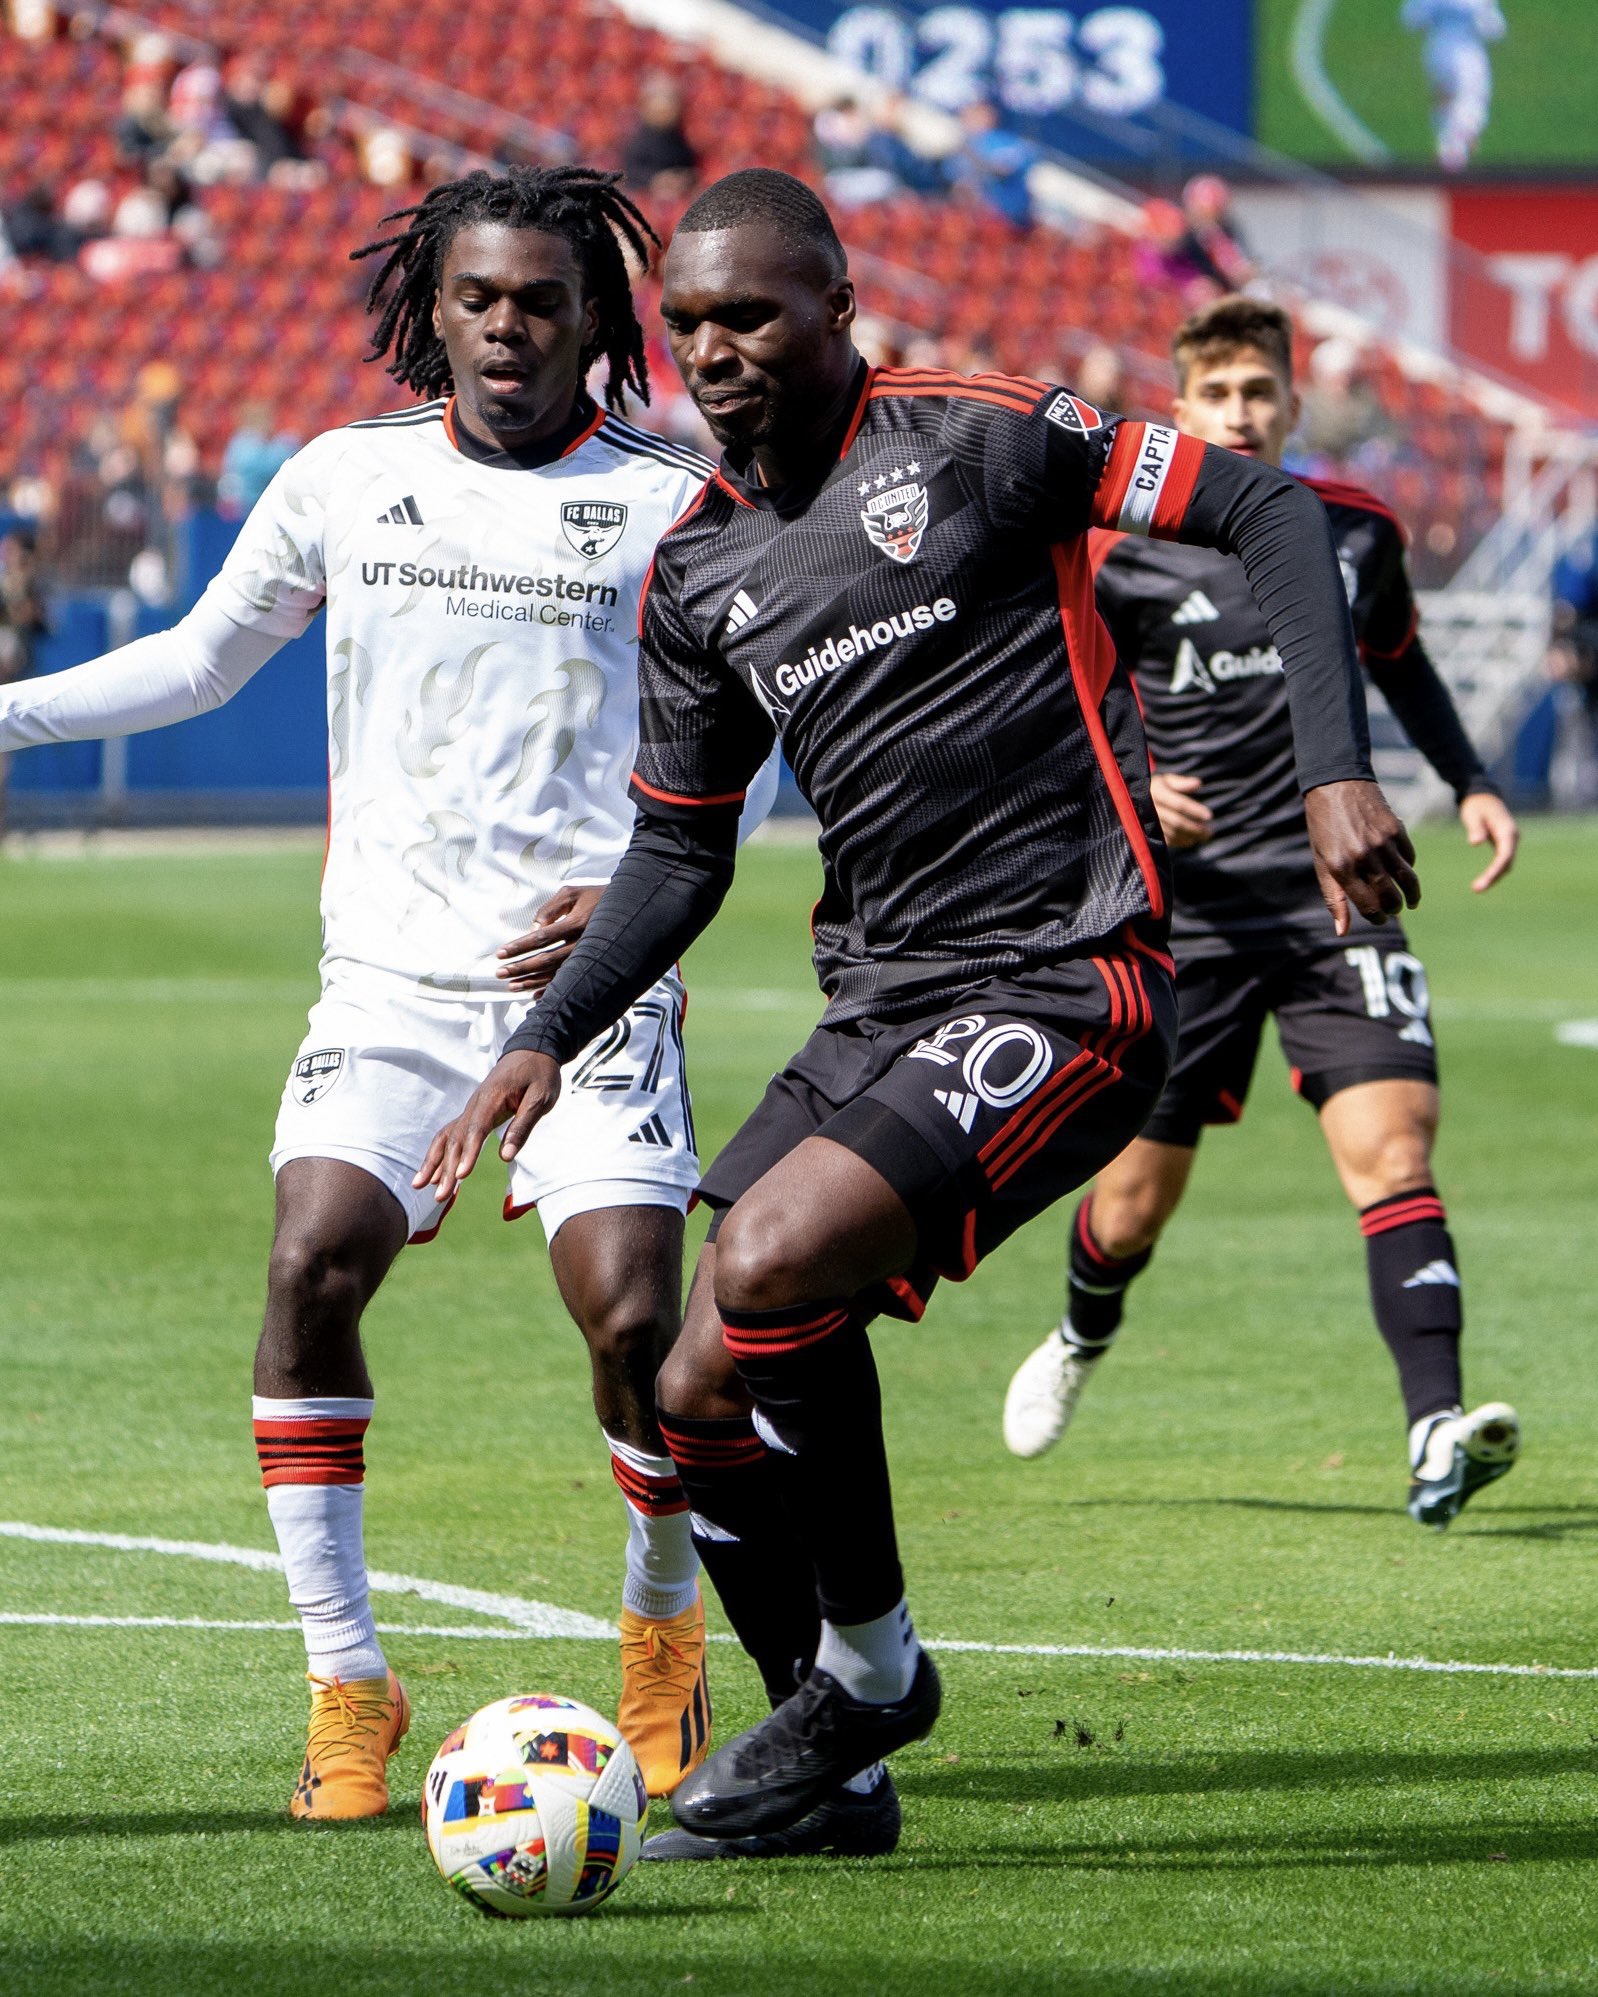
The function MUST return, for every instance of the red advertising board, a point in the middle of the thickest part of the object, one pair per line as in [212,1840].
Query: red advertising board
[1527,302]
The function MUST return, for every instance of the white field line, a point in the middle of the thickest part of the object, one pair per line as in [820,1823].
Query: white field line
[530,1618]
[541,1619]
[1577,1033]
[1320,93]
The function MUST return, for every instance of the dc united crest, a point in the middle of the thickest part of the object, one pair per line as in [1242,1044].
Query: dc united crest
[314,1074]
[896,519]
[592,526]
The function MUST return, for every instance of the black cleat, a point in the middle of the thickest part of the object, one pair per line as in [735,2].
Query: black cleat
[844,1825]
[782,1770]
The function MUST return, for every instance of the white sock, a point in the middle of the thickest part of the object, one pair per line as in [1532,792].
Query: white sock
[874,1661]
[662,1566]
[318,1529]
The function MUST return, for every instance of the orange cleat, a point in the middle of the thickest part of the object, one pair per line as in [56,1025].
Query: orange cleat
[356,1724]
[665,1701]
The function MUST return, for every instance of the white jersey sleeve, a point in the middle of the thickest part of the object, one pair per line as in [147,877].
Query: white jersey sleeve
[268,590]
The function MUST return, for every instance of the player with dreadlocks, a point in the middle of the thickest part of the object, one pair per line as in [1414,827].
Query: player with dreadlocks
[480,556]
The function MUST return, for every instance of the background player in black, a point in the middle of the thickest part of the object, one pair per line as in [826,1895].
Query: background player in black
[1250,934]
[892,567]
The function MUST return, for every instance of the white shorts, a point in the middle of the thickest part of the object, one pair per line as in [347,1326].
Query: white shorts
[381,1069]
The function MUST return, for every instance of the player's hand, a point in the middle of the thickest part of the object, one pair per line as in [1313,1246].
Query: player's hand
[1183,820]
[1362,853]
[530,961]
[523,1087]
[1486,817]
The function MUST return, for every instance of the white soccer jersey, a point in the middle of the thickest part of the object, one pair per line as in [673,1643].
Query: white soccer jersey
[482,694]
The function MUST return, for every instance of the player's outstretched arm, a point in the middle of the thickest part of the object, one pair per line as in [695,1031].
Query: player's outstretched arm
[171,676]
[670,883]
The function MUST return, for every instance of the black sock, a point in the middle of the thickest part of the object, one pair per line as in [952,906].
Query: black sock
[742,1535]
[1096,1286]
[1415,1295]
[812,1377]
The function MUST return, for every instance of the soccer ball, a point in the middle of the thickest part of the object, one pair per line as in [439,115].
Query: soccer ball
[535,1806]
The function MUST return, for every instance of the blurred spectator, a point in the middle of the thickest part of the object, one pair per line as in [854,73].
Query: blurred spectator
[991,165]
[259,112]
[1342,411]
[22,621]
[1171,254]
[253,455]
[86,211]
[144,130]
[22,616]
[658,158]
[1214,242]
[864,155]
[33,229]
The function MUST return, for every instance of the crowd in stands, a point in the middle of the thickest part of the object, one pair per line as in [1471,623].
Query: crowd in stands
[190,204]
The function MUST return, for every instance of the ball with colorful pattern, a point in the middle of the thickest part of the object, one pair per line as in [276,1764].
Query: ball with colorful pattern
[534,1806]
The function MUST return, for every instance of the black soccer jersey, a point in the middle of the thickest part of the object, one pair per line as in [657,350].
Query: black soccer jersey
[921,632]
[919,626]
[1215,705]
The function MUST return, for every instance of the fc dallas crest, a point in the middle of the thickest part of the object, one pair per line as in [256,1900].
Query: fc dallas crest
[895,513]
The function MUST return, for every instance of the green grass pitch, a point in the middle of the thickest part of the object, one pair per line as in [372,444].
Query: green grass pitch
[1094,1823]
[1542,106]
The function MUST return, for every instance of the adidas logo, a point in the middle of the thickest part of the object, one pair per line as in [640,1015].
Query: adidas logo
[1195,609]
[406,514]
[962,1108]
[743,608]
[653,1132]
[1434,1272]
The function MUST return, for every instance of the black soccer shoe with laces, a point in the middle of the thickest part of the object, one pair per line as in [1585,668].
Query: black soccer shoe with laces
[844,1825]
[781,1770]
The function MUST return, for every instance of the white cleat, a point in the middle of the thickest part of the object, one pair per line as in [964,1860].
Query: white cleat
[1043,1394]
[1459,1453]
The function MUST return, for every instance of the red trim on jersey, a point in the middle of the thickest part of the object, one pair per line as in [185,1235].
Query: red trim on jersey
[1163,958]
[687,513]
[1333,492]
[910,1297]
[577,443]
[1117,475]
[1231,1105]
[1177,491]
[1102,543]
[962,391]
[859,415]
[1398,651]
[510,1210]
[449,424]
[731,491]
[1091,653]
[672,797]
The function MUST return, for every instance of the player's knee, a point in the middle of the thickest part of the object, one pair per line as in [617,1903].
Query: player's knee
[696,1380]
[762,1261]
[627,1332]
[1125,1223]
[316,1285]
[1397,1161]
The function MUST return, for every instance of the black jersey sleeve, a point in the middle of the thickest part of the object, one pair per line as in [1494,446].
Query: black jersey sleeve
[668,886]
[702,734]
[1423,707]
[1279,531]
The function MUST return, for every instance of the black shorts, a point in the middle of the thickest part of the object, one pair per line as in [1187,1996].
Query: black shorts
[979,1113]
[1345,1013]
